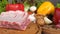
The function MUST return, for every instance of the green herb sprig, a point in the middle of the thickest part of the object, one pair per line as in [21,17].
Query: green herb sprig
[2,5]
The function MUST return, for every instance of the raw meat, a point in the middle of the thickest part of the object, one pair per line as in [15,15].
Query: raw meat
[16,20]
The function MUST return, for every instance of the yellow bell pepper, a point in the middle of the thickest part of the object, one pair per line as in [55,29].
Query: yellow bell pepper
[46,8]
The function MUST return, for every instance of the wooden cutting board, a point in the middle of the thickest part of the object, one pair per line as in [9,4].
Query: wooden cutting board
[49,29]
[31,29]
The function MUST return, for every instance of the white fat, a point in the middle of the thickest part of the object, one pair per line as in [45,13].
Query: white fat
[13,16]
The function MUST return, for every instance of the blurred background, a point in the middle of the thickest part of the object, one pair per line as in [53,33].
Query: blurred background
[53,1]
[37,3]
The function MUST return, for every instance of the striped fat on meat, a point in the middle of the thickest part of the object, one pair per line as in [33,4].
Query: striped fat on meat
[14,19]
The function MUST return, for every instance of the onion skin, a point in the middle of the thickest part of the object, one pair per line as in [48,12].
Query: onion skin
[40,19]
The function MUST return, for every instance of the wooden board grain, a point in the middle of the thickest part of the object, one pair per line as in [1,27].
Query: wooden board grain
[49,30]
[31,29]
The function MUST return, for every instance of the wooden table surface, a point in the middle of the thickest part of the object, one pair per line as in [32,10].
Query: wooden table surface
[31,29]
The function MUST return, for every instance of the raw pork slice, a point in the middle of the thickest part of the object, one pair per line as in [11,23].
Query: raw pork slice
[14,19]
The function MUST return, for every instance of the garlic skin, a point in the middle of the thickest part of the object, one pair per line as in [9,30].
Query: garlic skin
[33,8]
[47,21]
[31,17]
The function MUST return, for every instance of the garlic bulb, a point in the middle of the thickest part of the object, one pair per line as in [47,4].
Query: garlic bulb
[33,8]
[47,21]
[31,17]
